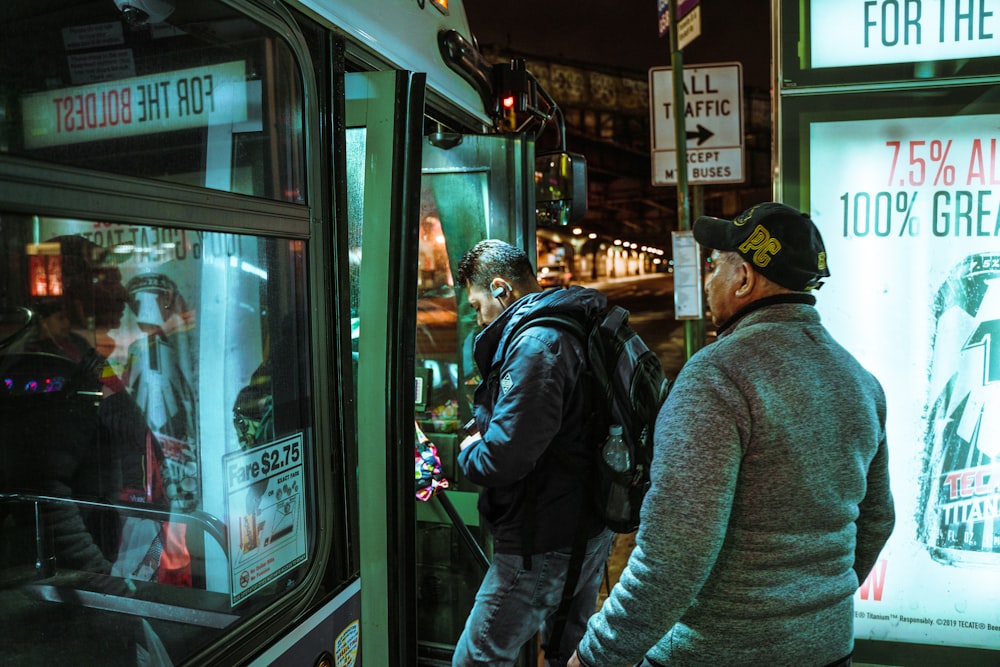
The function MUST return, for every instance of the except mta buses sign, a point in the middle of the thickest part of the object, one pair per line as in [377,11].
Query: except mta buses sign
[713,119]
[178,100]
[875,32]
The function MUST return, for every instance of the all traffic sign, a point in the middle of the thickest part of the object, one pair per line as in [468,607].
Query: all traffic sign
[713,120]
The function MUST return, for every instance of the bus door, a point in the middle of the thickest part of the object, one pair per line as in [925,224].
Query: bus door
[382,137]
[408,224]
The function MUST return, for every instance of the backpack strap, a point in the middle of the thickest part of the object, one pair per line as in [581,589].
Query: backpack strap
[553,647]
[555,320]
[528,523]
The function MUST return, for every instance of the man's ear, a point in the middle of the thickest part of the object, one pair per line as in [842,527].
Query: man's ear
[747,280]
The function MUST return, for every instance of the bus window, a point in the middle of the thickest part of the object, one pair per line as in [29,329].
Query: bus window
[156,483]
[153,469]
[445,324]
[355,161]
[203,97]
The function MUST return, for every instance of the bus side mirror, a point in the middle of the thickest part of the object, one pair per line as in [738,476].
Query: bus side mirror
[560,188]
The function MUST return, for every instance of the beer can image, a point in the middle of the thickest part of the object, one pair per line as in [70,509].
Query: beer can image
[958,519]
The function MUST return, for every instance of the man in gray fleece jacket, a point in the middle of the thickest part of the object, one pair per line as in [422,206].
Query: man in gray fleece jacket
[770,496]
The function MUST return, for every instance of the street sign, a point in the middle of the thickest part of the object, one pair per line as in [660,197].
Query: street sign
[713,119]
[688,289]
[663,13]
[689,27]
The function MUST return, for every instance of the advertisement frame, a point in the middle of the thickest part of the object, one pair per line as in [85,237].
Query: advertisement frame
[798,70]
[799,113]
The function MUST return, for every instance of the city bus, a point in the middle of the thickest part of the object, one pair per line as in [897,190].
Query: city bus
[227,316]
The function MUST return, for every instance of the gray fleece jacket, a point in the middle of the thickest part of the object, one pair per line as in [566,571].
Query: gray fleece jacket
[770,502]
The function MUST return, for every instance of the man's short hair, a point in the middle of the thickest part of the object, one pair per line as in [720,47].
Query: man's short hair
[491,258]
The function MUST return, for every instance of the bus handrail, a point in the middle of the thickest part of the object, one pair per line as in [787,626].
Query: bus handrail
[212,525]
[477,551]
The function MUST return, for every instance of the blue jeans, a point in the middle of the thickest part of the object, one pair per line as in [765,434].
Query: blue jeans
[513,604]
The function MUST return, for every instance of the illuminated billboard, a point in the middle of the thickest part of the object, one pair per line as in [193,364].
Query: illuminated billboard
[865,32]
[909,208]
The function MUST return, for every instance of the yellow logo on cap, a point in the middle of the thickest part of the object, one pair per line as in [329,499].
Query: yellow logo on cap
[744,217]
[762,245]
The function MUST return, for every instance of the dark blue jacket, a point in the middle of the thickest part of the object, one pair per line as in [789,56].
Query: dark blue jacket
[533,396]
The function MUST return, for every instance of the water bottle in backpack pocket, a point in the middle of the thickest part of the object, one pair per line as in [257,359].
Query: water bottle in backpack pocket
[615,477]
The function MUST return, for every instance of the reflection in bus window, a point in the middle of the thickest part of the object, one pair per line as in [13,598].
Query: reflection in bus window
[453,219]
[155,434]
[207,97]
[437,327]
[355,161]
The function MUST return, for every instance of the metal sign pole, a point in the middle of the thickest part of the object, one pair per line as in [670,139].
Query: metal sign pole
[692,342]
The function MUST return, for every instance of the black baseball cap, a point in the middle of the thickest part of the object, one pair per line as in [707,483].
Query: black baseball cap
[781,243]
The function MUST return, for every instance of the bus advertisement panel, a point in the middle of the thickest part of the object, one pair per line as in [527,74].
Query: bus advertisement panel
[910,213]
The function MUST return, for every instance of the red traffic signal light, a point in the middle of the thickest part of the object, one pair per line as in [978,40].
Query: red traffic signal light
[513,89]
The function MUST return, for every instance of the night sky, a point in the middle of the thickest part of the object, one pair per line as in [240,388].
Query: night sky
[623,34]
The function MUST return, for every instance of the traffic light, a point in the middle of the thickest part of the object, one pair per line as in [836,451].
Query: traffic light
[513,88]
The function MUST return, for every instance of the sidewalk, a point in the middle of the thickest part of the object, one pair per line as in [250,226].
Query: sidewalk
[670,349]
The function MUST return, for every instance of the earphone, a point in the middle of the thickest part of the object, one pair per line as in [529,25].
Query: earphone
[502,289]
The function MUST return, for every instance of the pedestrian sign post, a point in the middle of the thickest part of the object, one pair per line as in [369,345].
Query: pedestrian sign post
[713,118]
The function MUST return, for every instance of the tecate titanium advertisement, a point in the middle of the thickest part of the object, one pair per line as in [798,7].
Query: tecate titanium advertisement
[909,209]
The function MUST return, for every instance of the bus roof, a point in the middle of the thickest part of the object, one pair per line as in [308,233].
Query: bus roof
[404,35]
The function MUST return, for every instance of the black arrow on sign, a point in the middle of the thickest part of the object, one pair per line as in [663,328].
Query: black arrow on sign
[702,134]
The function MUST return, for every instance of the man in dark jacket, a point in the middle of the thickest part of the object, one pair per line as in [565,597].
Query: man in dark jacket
[531,455]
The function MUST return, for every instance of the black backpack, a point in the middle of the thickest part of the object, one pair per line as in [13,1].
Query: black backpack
[627,386]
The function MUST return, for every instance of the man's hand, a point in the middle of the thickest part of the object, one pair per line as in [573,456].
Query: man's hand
[574,661]
[469,440]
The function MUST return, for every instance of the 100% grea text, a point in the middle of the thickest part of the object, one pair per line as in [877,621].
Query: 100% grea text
[953,213]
